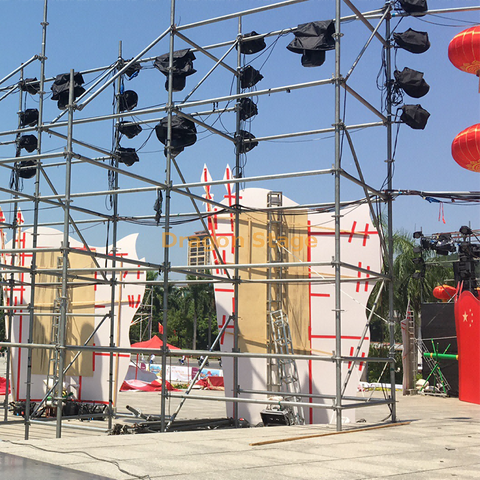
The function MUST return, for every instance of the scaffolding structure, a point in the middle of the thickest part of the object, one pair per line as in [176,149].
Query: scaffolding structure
[74,215]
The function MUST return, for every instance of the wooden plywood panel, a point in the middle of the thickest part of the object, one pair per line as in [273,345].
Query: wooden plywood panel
[81,300]
[253,297]
[297,297]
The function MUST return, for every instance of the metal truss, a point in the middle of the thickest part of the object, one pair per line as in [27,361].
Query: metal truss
[378,22]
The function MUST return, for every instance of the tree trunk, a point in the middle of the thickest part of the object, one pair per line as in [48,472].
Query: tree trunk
[209,329]
[194,329]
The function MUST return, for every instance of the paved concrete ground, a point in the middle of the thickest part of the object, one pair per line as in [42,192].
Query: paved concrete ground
[442,441]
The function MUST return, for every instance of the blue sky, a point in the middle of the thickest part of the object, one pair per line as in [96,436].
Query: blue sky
[84,34]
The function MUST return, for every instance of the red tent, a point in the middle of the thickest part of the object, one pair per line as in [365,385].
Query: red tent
[155,386]
[3,384]
[154,342]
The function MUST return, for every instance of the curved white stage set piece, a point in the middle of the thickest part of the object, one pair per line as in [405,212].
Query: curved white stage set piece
[88,377]
[309,306]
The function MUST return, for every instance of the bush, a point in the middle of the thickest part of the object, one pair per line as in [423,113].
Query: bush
[375,369]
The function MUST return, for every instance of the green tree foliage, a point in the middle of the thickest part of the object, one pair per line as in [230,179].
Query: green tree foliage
[408,290]
[190,313]
[2,321]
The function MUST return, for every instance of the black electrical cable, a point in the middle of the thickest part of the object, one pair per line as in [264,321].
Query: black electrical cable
[73,452]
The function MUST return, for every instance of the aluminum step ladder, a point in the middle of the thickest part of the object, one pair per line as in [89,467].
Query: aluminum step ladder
[441,387]
[287,368]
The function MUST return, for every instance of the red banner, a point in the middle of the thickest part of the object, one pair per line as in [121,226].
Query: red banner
[467,321]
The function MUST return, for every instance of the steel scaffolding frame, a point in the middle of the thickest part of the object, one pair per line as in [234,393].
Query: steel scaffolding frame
[110,75]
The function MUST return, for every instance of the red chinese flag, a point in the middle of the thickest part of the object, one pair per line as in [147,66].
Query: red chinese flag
[160,328]
[467,321]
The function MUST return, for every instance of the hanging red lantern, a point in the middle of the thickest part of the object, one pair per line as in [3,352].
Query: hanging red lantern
[444,292]
[464,51]
[466,148]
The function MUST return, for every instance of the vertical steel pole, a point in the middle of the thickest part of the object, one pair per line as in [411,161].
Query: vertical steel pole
[62,329]
[238,174]
[113,279]
[11,313]
[338,289]
[168,183]
[391,320]
[35,220]
[151,313]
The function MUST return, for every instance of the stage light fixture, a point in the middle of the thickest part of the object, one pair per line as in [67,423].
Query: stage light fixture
[184,133]
[127,100]
[444,244]
[28,142]
[128,156]
[182,67]
[464,230]
[29,118]
[129,129]
[414,116]
[244,147]
[26,169]
[312,40]
[248,47]
[61,88]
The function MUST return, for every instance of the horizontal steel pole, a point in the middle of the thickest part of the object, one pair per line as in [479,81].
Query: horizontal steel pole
[218,61]
[185,185]
[436,193]
[50,131]
[12,90]
[325,279]
[23,65]
[50,202]
[363,270]
[70,425]
[256,265]
[372,403]
[297,394]
[441,356]
[205,125]
[195,103]
[370,107]
[312,132]
[355,180]
[362,18]
[86,92]
[435,12]
[367,359]
[193,114]
[29,250]
[284,31]
[238,14]
[83,252]
[117,259]
[259,178]
[83,72]
[192,353]
[122,70]
[38,156]
[269,91]
[15,307]
[161,185]
[281,403]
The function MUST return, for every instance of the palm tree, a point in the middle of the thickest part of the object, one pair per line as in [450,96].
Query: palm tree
[410,289]
[201,297]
